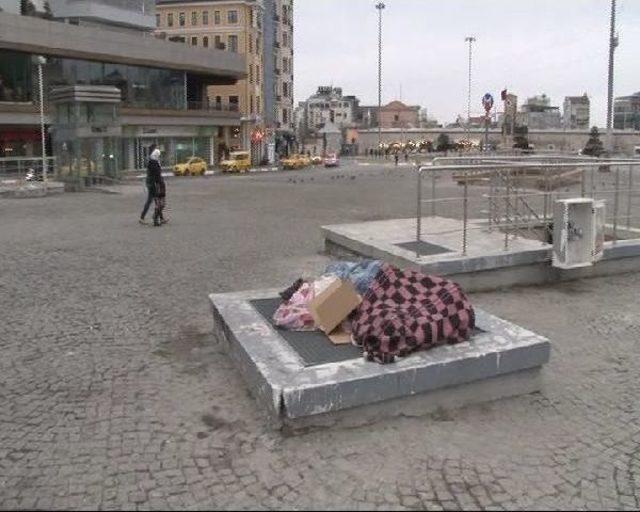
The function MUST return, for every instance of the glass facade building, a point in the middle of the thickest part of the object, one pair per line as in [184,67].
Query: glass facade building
[140,87]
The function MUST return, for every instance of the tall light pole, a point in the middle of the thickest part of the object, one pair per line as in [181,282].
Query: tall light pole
[613,43]
[470,40]
[41,62]
[380,7]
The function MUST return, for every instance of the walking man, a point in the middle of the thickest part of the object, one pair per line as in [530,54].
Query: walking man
[155,185]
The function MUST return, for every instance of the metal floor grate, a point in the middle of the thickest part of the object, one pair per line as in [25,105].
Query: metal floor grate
[313,347]
[424,248]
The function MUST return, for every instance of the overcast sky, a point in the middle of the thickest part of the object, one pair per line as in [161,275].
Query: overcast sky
[557,47]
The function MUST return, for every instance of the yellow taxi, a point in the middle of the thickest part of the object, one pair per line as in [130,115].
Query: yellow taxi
[239,161]
[295,162]
[194,166]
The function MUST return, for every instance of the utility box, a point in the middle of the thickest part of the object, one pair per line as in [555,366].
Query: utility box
[578,232]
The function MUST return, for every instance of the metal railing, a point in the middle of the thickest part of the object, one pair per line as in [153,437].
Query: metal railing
[17,169]
[516,196]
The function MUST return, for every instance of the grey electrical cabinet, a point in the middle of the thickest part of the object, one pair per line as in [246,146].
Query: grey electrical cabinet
[578,232]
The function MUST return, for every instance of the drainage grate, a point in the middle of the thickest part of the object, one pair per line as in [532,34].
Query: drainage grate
[424,248]
[313,347]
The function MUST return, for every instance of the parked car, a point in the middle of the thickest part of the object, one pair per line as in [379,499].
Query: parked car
[194,166]
[331,160]
[239,161]
[295,162]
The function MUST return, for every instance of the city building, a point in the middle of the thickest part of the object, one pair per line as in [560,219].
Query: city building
[107,99]
[576,112]
[393,115]
[328,105]
[539,114]
[626,112]
[234,26]
[262,31]
[278,74]
[398,115]
[121,15]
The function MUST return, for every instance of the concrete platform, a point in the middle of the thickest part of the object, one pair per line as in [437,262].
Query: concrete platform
[503,360]
[486,265]
[18,190]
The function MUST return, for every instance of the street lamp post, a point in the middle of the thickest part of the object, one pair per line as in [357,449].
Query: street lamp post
[613,43]
[380,7]
[41,62]
[470,40]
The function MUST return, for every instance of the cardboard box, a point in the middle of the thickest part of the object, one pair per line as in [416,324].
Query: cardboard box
[339,336]
[334,304]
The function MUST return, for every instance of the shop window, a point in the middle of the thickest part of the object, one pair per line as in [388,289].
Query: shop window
[194,41]
[232,17]
[15,77]
[205,42]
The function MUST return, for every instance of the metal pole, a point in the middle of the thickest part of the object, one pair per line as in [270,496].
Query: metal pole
[613,43]
[616,204]
[419,214]
[469,40]
[506,211]
[630,187]
[380,6]
[465,211]
[41,61]
[433,194]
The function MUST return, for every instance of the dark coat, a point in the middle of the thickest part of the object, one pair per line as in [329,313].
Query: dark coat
[155,182]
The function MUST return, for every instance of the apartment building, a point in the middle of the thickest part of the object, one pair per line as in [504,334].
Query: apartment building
[235,26]
[576,112]
[278,79]
[108,97]
[626,112]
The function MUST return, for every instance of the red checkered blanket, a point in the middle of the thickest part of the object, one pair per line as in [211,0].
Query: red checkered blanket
[404,311]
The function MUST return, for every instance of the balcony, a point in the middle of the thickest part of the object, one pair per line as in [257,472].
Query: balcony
[213,106]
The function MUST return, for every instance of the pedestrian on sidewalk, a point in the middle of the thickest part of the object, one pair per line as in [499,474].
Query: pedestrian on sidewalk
[396,158]
[155,186]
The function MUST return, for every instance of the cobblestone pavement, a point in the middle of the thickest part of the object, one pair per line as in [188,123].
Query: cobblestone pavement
[115,396]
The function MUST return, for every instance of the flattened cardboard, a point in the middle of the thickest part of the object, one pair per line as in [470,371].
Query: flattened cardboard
[339,336]
[334,304]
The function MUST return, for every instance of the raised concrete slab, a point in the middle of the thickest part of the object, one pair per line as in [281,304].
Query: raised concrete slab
[504,360]
[485,266]
[19,190]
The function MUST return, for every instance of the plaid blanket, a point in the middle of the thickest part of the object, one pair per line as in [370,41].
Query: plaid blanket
[404,311]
